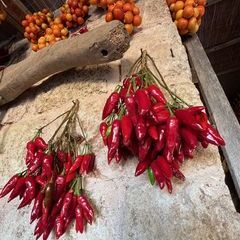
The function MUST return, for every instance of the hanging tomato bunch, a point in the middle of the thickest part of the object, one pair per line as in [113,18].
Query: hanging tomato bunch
[139,121]
[53,179]
[187,14]
[36,24]
[74,12]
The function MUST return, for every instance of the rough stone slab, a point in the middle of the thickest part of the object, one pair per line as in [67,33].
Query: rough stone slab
[128,208]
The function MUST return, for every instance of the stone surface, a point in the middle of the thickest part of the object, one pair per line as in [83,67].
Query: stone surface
[128,208]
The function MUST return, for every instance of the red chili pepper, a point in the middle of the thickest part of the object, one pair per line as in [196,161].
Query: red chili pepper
[156,93]
[37,207]
[153,132]
[9,186]
[131,107]
[178,174]
[159,145]
[103,130]
[142,167]
[47,166]
[144,148]
[169,185]
[211,135]
[179,156]
[188,152]
[76,164]
[66,204]
[49,228]
[140,128]
[40,180]
[39,229]
[158,174]
[71,213]
[61,156]
[87,208]
[110,104]
[87,163]
[29,157]
[57,207]
[40,143]
[47,202]
[114,139]
[79,219]
[70,177]
[143,101]
[60,186]
[159,113]
[127,128]
[31,147]
[165,167]
[204,144]
[187,117]
[171,137]
[189,137]
[17,189]
[36,163]
[59,227]
[118,155]
[202,119]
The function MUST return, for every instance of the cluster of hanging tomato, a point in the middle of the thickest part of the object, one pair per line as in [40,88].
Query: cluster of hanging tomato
[139,121]
[53,179]
[187,14]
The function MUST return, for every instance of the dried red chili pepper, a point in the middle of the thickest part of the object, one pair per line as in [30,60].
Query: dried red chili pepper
[68,163]
[187,117]
[204,144]
[40,180]
[36,163]
[9,186]
[87,163]
[156,93]
[60,186]
[169,185]
[214,134]
[189,137]
[71,213]
[66,204]
[153,132]
[57,206]
[49,228]
[70,177]
[142,167]
[103,130]
[110,105]
[188,152]
[61,155]
[131,107]
[17,189]
[47,166]
[37,207]
[143,101]
[29,157]
[158,174]
[127,128]
[144,148]
[76,164]
[79,219]
[140,128]
[39,228]
[40,143]
[165,167]
[171,137]
[31,147]
[114,139]
[59,227]
[87,208]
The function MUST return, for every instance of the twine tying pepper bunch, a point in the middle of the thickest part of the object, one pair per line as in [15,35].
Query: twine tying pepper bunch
[54,178]
[139,121]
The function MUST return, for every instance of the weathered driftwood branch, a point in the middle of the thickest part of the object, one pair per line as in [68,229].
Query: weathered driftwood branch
[104,44]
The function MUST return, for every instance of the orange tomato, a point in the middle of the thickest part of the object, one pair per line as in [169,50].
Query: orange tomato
[118,14]
[128,17]
[129,28]
[178,5]
[137,20]
[109,17]
[182,23]
[188,12]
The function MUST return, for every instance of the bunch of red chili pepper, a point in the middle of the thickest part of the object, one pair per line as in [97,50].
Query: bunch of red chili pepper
[53,179]
[139,121]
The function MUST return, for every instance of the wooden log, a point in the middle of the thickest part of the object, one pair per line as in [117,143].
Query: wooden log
[218,106]
[103,44]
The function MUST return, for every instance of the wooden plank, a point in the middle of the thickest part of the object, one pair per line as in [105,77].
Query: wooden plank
[218,106]
[223,45]
[211,2]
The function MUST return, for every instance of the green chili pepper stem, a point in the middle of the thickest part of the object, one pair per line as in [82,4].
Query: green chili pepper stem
[69,116]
